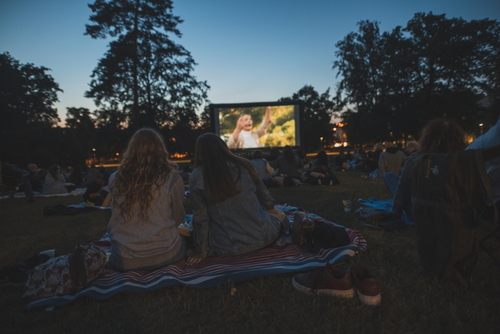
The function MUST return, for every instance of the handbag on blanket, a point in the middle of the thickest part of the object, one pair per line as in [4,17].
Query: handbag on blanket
[315,235]
[65,274]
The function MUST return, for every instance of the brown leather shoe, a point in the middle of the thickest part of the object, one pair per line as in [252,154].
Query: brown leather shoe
[327,280]
[367,286]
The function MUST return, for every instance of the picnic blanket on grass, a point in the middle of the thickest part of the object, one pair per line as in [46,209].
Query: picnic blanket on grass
[384,204]
[281,257]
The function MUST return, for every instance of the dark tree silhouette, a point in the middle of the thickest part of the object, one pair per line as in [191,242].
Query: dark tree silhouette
[27,94]
[393,83]
[316,118]
[27,113]
[144,74]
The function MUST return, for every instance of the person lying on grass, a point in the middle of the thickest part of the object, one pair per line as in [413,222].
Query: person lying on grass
[230,203]
[147,207]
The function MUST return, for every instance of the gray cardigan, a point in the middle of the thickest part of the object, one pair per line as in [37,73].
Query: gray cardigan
[237,225]
[154,242]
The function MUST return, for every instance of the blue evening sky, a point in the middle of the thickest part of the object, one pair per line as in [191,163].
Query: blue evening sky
[247,51]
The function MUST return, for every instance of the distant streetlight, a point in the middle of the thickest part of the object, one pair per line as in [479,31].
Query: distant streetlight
[481,127]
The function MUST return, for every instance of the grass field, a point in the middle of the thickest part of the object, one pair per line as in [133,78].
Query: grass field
[411,303]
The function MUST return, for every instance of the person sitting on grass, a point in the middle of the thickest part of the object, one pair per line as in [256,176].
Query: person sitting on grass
[13,176]
[76,176]
[147,207]
[289,164]
[94,174]
[438,136]
[95,195]
[55,182]
[391,161]
[319,172]
[263,168]
[411,146]
[230,203]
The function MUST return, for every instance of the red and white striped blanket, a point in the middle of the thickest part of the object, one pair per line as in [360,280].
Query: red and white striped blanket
[213,271]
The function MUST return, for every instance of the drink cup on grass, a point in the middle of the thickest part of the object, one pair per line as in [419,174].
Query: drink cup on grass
[347,205]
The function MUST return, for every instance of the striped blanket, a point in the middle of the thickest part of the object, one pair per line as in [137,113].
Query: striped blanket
[281,257]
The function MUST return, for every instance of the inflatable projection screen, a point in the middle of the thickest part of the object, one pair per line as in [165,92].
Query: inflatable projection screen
[257,125]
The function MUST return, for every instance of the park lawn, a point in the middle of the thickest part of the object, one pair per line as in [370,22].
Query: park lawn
[411,303]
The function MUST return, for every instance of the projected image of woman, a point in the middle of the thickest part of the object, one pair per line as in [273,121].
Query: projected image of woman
[243,136]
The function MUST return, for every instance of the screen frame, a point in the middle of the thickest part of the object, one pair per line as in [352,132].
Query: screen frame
[298,111]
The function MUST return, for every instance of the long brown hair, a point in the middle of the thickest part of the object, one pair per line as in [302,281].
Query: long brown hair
[213,156]
[145,167]
[442,135]
[289,155]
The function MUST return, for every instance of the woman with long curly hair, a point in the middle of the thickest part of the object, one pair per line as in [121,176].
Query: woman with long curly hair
[147,206]
[438,136]
[230,203]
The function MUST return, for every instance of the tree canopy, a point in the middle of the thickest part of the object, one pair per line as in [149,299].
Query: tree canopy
[27,97]
[392,83]
[144,75]
[27,94]
[316,118]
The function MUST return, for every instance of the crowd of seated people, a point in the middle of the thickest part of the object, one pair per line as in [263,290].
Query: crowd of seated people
[147,193]
[55,182]
[34,181]
[28,181]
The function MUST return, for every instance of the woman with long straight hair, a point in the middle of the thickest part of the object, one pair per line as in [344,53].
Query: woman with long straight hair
[230,203]
[289,164]
[147,206]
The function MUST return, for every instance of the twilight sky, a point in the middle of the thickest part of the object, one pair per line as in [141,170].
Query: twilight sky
[247,51]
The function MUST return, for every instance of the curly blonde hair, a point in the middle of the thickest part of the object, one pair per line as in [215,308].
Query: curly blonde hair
[144,168]
[442,135]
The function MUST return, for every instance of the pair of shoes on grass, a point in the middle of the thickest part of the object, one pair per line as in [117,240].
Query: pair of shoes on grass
[331,281]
